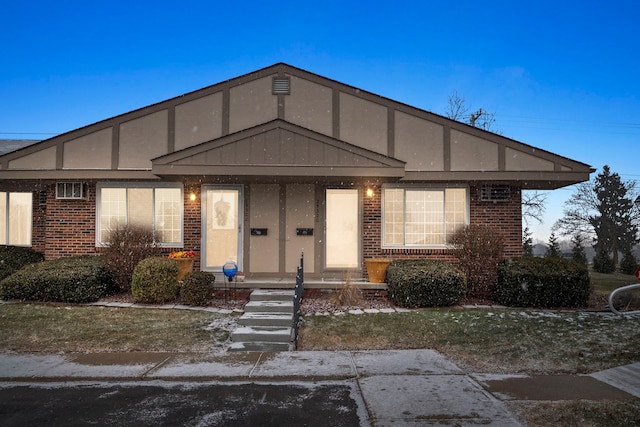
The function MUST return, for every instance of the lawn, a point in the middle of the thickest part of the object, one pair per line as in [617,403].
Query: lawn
[489,340]
[61,328]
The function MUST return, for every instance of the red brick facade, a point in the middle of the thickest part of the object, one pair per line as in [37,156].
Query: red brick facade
[67,227]
[504,217]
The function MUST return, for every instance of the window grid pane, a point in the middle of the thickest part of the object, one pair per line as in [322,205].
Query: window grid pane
[3,218]
[20,207]
[168,215]
[393,217]
[113,210]
[160,209]
[422,217]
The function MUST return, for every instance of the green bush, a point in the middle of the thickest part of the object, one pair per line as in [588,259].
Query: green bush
[75,280]
[155,280]
[197,288]
[128,245]
[425,283]
[542,282]
[13,258]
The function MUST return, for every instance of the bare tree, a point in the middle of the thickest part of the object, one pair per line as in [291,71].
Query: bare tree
[457,109]
[533,206]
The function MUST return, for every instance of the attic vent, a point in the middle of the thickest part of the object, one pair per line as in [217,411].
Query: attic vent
[495,193]
[69,190]
[281,86]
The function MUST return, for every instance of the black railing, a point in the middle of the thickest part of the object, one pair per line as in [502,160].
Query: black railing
[297,299]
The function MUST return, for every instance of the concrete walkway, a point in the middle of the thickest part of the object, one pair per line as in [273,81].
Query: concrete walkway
[395,387]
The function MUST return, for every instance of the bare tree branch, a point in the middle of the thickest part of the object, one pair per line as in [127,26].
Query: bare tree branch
[457,108]
[533,206]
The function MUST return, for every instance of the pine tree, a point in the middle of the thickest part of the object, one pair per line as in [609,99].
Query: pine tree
[602,262]
[629,262]
[527,243]
[553,247]
[603,209]
[577,250]
[613,225]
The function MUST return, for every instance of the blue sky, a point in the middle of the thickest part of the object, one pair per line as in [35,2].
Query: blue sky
[562,76]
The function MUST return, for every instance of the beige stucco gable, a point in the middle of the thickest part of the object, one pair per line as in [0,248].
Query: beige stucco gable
[278,148]
[327,117]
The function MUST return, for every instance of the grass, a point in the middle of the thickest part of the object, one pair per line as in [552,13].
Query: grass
[482,340]
[605,283]
[51,328]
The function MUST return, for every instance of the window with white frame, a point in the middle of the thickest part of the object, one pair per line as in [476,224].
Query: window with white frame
[15,218]
[422,217]
[158,207]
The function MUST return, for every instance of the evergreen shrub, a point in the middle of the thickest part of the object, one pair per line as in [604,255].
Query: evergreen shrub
[603,262]
[542,282]
[197,288]
[80,279]
[155,280]
[13,258]
[425,283]
[629,263]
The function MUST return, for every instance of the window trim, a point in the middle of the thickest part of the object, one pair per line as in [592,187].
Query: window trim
[426,187]
[128,185]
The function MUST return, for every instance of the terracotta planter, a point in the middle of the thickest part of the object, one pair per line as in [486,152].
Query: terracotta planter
[377,269]
[185,266]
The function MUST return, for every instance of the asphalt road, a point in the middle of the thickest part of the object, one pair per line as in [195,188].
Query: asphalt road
[153,403]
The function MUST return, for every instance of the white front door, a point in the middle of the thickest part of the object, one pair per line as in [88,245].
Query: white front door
[342,241]
[222,213]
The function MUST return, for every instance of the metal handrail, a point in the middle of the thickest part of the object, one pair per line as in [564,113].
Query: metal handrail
[297,299]
[620,290]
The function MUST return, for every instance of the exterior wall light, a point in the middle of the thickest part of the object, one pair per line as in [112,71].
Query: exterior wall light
[193,197]
[369,192]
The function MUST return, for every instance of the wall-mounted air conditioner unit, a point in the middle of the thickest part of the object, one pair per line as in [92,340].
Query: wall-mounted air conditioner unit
[70,190]
[495,193]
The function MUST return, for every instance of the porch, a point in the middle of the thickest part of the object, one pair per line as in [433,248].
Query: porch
[290,283]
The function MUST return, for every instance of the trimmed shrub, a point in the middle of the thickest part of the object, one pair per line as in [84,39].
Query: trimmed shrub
[425,283]
[128,245]
[197,288]
[73,280]
[155,280]
[542,282]
[13,258]
[479,250]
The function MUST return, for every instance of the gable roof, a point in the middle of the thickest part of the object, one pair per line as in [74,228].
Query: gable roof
[357,133]
[277,148]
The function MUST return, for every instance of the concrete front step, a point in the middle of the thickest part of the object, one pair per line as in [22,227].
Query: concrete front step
[260,346]
[249,334]
[265,319]
[284,307]
[285,295]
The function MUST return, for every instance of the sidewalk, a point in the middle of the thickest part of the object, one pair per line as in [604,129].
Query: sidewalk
[395,387]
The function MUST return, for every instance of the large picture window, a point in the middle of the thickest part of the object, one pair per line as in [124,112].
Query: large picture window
[158,207]
[422,217]
[15,218]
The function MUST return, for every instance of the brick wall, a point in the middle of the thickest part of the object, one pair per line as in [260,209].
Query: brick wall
[504,217]
[193,222]
[70,225]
